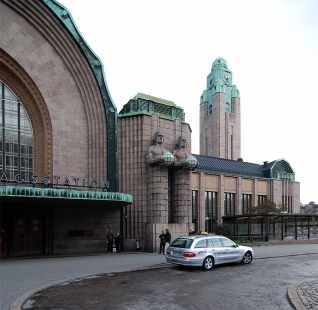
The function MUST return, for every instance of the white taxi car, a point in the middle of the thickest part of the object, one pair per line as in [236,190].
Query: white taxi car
[207,251]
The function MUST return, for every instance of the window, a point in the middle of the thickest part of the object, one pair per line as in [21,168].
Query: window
[261,199]
[210,243]
[287,202]
[210,109]
[182,243]
[217,242]
[194,204]
[16,137]
[229,204]
[228,107]
[227,242]
[246,202]
[210,204]
[201,244]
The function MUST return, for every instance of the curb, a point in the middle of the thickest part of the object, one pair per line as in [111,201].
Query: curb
[293,297]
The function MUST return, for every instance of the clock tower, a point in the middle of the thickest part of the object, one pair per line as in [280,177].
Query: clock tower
[220,114]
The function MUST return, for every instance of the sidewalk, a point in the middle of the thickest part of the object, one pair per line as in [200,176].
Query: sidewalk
[20,278]
[304,295]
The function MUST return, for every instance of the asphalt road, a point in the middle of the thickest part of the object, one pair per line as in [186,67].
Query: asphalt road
[22,277]
[261,285]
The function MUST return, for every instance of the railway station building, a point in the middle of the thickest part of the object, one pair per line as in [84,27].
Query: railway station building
[72,166]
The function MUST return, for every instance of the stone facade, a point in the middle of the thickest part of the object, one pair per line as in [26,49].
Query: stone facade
[49,72]
[41,63]
[161,194]
[79,135]
[203,182]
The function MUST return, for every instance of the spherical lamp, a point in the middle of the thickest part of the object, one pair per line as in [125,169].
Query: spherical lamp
[169,158]
[193,163]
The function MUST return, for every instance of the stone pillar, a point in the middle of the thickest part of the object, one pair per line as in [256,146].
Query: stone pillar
[181,196]
[158,194]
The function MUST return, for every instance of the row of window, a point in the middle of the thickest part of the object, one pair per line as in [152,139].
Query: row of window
[229,203]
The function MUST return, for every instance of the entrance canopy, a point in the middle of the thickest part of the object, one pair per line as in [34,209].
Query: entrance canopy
[10,193]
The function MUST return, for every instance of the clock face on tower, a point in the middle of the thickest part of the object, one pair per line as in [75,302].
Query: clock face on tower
[227,78]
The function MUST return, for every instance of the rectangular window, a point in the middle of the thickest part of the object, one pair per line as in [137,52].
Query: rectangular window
[210,205]
[261,199]
[287,202]
[229,204]
[246,203]
[194,204]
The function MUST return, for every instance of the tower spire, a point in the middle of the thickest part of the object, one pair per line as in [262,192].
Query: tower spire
[220,114]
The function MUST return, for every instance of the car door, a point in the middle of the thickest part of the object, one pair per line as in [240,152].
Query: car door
[232,253]
[215,248]
[200,250]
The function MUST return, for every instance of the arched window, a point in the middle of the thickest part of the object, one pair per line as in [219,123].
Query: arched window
[16,137]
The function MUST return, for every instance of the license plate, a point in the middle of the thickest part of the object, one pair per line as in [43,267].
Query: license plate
[177,253]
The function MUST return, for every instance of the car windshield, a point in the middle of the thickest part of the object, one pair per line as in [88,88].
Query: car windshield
[182,243]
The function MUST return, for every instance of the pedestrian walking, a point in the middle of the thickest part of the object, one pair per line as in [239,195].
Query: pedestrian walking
[110,240]
[162,242]
[167,239]
[117,242]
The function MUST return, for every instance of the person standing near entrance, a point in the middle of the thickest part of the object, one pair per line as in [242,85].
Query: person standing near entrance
[117,242]
[162,242]
[109,240]
[167,240]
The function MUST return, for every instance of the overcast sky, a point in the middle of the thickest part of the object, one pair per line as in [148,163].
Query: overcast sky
[166,49]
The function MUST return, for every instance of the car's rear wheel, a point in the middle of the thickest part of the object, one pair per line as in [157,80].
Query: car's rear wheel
[247,258]
[208,263]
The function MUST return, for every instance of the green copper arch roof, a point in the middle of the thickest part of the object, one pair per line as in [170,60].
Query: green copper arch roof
[280,169]
[97,67]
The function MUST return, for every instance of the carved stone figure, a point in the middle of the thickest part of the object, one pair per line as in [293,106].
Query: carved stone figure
[180,153]
[156,150]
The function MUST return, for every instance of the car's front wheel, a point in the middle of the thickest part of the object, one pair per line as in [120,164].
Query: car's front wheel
[247,258]
[208,263]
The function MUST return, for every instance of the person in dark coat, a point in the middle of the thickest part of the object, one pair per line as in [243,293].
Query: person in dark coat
[117,242]
[167,239]
[162,242]
[109,240]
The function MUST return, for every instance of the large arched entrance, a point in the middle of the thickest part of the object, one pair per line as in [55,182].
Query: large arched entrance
[25,150]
